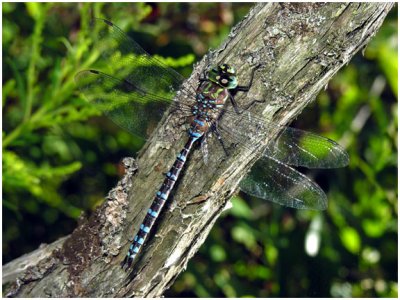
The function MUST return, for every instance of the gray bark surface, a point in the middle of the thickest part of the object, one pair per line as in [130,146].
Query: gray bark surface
[301,46]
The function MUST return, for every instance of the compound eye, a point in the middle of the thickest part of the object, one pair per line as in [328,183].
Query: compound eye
[223,68]
[224,81]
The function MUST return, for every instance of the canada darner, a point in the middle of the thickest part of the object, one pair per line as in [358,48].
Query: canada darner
[141,88]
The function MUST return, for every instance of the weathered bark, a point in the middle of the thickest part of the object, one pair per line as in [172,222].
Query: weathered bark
[301,47]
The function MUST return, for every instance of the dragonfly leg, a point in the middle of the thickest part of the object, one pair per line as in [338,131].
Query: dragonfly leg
[217,133]
[244,88]
[241,110]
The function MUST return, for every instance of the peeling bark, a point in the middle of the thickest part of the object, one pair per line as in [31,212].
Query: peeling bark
[301,46]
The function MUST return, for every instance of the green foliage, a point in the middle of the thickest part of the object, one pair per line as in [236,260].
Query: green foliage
[41,182]
[60,156]
[44,141]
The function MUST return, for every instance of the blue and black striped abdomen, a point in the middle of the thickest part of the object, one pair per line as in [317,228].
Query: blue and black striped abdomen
[158,202]
[210,99]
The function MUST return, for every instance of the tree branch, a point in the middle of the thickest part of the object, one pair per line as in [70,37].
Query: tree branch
[301,46]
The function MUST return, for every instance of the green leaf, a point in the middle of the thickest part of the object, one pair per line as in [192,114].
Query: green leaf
[34,9]
[374,228]
[8,87]
[177,62]
[218,253]
[41,181]
[8,7]
[271,253]
[350,239]
[243,234]
[240,208]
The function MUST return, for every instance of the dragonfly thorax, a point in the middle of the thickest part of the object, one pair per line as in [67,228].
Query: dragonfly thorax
[210,98]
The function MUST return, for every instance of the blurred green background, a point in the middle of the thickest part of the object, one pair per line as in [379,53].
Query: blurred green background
[60,156]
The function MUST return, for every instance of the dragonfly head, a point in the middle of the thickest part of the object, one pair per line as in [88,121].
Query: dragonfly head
[223,75]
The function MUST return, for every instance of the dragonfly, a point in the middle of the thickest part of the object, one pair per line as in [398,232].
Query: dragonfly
[135,90]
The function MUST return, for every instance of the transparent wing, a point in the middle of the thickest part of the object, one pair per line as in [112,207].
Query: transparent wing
[271,180]
[300,148]
[292,146]
[129,106]
[138,88]
[126,59]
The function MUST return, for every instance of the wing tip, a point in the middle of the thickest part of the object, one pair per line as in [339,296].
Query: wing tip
[107,22]
[346,158]
[78,75]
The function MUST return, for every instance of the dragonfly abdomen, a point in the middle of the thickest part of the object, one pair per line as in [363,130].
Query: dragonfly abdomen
[161,197]
[205,111]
